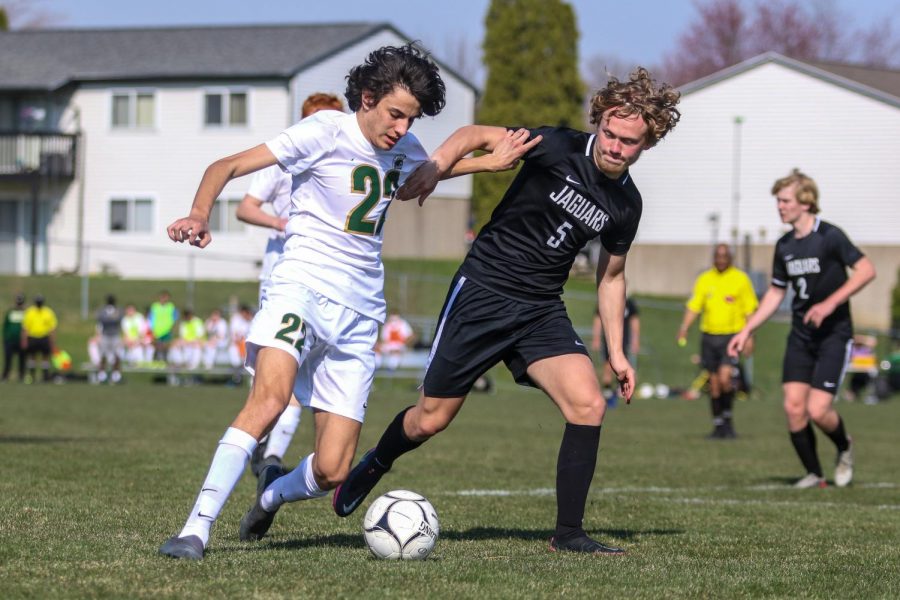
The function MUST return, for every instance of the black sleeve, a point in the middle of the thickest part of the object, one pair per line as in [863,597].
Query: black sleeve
[841,245]
[779,270]
[618,241]
[550,149]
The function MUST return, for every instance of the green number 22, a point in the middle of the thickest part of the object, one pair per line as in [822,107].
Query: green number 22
[365,180]
[291,324]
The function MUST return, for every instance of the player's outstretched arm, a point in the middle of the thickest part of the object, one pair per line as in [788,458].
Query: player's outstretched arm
[462,142]
[863,273]
[194,228]
[767,307]
[504,156]
[611,302]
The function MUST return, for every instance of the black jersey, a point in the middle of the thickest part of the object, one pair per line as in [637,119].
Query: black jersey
[816,266]
[557,203]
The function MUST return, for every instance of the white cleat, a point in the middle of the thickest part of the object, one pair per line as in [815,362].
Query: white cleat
[810,480]
[843,470]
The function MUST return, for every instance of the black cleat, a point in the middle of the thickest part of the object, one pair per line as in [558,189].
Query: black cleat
[582,543]
[717,434]
[257,521]
[189,547]
[728,432]
[364,476]
[256,459]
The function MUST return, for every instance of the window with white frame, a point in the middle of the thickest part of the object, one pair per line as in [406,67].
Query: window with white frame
[225,108]
[133,108]
[131,214]
[223,217]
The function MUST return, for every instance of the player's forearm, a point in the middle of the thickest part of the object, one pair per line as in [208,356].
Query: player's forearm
[463,141]
[863,273]
[767,307]
[611,302]
[477,164]
[216,176]
[688,320]
[249,211]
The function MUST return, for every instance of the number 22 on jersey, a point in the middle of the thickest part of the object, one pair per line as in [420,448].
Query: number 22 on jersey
[365,180]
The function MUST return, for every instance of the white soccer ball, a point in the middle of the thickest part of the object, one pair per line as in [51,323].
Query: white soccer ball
[401,525]
[645,390]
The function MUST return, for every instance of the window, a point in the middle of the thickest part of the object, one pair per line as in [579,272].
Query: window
[225,107]
[223,217]
[131,214]
[133,109]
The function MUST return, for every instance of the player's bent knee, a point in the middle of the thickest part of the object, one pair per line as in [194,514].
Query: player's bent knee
[330,476]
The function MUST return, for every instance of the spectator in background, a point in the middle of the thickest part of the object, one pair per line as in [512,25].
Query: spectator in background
[39,336]
[109,330]
[631,344]
[12,337]
[188,348]
[396,337]
[239,327]
[162,317]
[136,336]
[216,338]
[725,297]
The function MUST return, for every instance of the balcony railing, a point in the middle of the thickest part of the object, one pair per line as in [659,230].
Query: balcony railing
[49,154]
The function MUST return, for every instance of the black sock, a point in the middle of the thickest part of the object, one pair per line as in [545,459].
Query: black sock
[574,471]
[805,444]
[727,402]
[393,442]
[715,403]
[839,436]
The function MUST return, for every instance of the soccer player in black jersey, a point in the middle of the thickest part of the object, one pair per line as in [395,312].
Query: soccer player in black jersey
[504,303]
[813,258]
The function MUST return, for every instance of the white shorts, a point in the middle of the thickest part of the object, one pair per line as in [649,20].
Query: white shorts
[332,344]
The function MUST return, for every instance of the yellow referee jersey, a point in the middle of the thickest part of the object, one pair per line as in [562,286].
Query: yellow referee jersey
[724,300]
[39,322]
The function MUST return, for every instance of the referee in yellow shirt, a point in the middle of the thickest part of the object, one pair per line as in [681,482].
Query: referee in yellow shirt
[725,298]
[38,335]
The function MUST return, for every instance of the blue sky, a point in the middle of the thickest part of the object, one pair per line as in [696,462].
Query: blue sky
[640,31]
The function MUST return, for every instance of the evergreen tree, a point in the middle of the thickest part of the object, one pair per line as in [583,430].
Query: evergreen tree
[4,20]
[530,51]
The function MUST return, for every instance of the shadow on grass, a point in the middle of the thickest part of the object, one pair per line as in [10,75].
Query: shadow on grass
[475,533]
[38,439]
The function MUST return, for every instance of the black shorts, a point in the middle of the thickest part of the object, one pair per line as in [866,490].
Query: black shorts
[820,362]
[714,351]
[478,328]
[39,345]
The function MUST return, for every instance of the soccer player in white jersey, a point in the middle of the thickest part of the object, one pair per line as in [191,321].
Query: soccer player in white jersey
[273,186]
[315,332]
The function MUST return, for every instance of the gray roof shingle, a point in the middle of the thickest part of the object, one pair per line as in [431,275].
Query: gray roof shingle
[50,59]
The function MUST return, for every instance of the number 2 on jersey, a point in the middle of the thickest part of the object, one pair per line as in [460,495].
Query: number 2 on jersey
[291,324]
[365,180]
[555,241]
[801,288]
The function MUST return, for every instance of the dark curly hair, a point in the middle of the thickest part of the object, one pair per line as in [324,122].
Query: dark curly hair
[408,66]
[639,95]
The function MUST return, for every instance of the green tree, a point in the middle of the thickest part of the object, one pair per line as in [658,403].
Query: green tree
[4,20]
[531,56]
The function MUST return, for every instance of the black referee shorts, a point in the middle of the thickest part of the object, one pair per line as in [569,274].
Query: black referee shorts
[714,351]
[478,328]
[819,362]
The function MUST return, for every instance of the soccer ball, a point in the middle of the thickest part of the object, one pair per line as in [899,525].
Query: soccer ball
[61,360]
[401,525]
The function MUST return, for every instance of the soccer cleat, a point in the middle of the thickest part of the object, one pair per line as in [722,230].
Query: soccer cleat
[843,470]
[582,543]
[717,434]
[360,481]
[810,480]
[256,459]
[728,432]
[189,547]
[257,521]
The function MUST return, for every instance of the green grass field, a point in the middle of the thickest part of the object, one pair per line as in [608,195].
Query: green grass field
[94,478]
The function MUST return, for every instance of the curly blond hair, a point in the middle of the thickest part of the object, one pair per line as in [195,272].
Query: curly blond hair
[807,190]
[640,95]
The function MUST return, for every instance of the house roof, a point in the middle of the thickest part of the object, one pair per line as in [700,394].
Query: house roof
[880,84]
[50,59]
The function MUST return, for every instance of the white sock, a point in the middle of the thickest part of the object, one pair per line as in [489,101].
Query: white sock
[299,484]
[283,432]
[228,464]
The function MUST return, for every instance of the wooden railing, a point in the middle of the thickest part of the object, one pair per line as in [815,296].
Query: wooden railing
[48,154]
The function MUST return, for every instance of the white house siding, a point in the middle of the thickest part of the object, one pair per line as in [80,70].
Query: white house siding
[437,230]
[847,141]
[166,164]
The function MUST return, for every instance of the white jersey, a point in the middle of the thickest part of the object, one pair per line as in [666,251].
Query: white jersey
[341,190]
[273,186]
